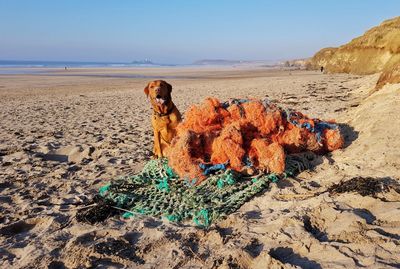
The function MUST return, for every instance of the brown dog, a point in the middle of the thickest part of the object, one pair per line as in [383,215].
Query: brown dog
[165,115]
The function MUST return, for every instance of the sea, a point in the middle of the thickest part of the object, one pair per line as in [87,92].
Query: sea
[8,67]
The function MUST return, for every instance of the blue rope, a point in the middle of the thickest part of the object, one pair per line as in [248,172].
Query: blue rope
[212,168]
[227,104]
[321,126]
[318,129]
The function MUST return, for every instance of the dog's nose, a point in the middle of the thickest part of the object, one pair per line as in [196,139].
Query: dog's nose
[158,96]
[157,90]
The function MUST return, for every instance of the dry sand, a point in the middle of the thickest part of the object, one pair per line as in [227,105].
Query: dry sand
[65,133]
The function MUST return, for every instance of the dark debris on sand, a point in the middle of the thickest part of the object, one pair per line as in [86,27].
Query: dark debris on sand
[365,186]
[119,248]
[97,212]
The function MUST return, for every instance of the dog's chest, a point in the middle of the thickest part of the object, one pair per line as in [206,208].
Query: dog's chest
[160,122]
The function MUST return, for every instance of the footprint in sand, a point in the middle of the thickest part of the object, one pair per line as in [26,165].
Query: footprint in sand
[75,154]
[16,228]
[24,228]
[287,255]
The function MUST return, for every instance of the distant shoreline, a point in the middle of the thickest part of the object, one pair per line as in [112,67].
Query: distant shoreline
[146,63]
[50,64]
[108,70]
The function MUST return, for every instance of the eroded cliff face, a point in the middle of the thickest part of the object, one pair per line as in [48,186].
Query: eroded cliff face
[378,50]
[390,73]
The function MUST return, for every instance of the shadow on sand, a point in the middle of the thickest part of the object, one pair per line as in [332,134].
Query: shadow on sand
[349,134]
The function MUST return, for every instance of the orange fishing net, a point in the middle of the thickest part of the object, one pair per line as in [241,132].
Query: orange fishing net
[245,134]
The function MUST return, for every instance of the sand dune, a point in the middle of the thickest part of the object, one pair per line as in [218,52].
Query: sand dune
[63,137]
[376,51]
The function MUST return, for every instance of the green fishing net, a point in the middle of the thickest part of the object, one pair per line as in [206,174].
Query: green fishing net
[157,191]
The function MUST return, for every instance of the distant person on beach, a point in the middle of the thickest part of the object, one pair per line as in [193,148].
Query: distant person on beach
[322,69]
[65,68]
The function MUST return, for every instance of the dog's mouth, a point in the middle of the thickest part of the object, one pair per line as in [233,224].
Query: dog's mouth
[160,100]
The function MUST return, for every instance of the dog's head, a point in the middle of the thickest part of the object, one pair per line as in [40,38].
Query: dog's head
[159,93]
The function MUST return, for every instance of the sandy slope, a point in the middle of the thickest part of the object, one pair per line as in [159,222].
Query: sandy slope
[62,137]
[376,51]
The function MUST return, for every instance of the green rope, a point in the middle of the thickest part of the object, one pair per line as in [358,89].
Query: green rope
[128,215]
[104,189]
[201,218]
[227,180]
[163,185]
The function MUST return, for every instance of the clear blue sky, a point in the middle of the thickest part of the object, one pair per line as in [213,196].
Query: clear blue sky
[173,31]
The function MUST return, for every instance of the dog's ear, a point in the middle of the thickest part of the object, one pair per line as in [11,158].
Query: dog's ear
[146,90]
[169,87]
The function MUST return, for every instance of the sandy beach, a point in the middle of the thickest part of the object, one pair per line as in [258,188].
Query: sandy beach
[65,133]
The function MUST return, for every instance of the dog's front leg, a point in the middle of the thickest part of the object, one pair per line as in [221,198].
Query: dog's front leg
[157,145]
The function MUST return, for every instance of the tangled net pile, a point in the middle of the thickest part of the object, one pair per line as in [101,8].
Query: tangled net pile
[239,146]
[246,136]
